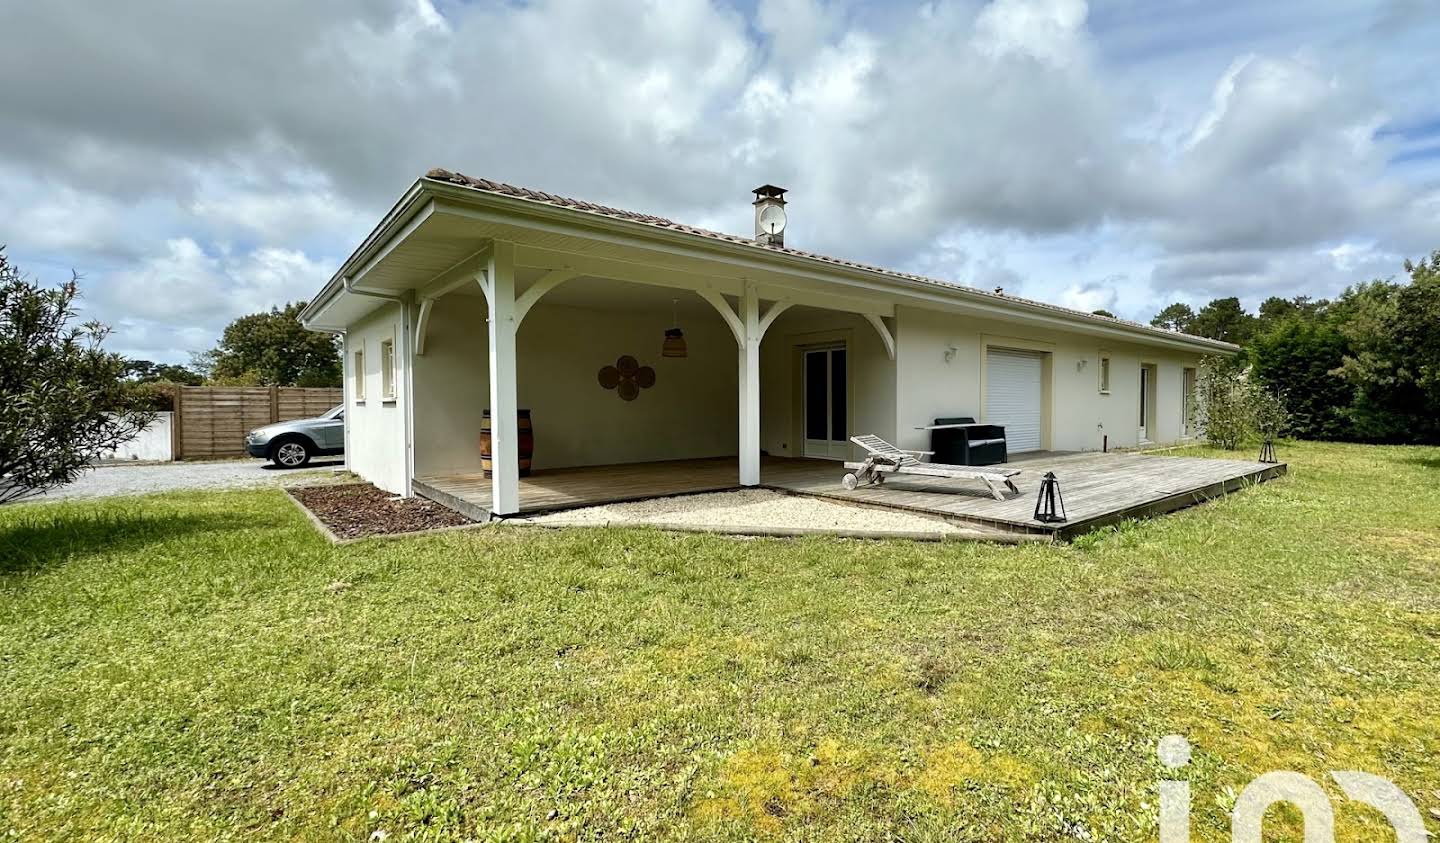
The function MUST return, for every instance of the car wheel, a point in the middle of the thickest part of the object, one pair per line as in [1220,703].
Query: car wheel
[291,453]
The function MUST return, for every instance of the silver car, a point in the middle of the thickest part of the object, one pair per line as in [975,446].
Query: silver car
[292,444]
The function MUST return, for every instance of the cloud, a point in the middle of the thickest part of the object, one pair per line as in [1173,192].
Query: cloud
[1053,147]
[181,283]
[1051,31]
[178,299]
[1285,155]
[1189,270]
[1090,296]
[1320,271]
[276,216]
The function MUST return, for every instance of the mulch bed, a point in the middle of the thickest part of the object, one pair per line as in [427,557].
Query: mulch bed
[357,510]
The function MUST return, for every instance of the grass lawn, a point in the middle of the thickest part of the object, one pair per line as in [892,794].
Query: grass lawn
[203,665]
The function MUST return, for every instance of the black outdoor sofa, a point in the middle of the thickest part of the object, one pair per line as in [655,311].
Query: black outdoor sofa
[973,444]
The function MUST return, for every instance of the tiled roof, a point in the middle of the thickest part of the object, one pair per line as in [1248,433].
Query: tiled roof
[502,189]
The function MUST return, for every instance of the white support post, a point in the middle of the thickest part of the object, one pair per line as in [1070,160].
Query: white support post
[749,369]
[504,428]
[406,361]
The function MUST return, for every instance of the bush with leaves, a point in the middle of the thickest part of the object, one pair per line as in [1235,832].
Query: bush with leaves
[1232,406]
[1365,366]
[153,385]
[63,399]
[1222,408]
[1299,358]
[1268,412]
[1393,355]
[157,396]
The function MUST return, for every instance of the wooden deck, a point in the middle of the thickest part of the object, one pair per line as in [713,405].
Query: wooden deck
[1097,489]
[567,488]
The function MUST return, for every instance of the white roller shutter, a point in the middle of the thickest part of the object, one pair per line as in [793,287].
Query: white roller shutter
[1012,396]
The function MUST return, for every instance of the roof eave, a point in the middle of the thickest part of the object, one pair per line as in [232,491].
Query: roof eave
[933,289]
[405,207]
[426,189]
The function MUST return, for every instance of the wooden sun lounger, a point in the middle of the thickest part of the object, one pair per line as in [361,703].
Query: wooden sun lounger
[885,458]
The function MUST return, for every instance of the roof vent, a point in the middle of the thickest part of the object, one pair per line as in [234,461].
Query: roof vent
[770,215]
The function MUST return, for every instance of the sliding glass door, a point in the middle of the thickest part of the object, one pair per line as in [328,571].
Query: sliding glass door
[826,400]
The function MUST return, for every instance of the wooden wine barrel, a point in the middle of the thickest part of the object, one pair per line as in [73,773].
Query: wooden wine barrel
[526,447]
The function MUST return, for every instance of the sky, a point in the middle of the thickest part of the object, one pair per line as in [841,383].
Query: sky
[194,162]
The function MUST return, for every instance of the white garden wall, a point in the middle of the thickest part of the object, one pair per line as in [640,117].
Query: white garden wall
[152,444]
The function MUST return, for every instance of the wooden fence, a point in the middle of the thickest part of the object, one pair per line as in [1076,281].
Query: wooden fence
[211,421]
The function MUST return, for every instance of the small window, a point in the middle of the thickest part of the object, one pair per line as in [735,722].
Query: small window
[1104,374]
[359,373]
[387,369]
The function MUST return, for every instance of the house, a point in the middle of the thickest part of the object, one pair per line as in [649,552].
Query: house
[472,295]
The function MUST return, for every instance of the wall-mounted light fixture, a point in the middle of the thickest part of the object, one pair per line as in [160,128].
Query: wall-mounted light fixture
[1081,364]
[950,353]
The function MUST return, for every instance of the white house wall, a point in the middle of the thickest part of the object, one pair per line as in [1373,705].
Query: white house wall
[375,446]
[871,372]
[690,412]
[452,386]
[929,386]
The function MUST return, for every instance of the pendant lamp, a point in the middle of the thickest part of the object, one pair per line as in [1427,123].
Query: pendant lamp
[674,337]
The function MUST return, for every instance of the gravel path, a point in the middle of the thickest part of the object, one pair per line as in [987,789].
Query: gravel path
[110,480]
[753,508]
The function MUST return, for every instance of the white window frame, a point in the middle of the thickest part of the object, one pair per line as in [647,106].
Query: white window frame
[1103,373]
[358,363]
[387,369]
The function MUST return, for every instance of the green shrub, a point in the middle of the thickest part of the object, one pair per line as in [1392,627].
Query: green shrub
[1233,406]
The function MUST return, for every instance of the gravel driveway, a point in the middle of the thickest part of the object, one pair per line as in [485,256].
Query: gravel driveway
[108,480]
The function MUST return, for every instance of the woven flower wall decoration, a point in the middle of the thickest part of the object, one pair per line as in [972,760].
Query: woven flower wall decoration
[627,377]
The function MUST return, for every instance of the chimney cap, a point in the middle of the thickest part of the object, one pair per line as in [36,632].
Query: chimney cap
[769,191]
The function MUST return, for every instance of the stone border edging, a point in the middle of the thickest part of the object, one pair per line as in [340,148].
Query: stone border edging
[779,532]
[735,531]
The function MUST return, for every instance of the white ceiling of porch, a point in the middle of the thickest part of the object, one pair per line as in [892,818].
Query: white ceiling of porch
[608,294]
[612,295]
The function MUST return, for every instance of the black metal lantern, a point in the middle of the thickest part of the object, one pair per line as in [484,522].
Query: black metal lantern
[1050,505]
[1267,451]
